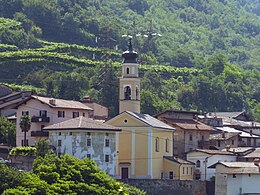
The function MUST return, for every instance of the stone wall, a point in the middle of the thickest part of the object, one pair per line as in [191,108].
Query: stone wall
[22,162]
[168,187]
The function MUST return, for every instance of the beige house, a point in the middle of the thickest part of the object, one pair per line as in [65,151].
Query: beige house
[84,137]
[178,169]
[190,134]
[45,111]
[100,112]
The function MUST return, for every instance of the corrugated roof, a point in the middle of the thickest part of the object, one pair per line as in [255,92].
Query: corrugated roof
[153,122]
[178,160]
[61,103]
[81,123]
[188,124]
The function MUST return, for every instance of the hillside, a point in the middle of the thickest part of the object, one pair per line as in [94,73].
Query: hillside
[206,59]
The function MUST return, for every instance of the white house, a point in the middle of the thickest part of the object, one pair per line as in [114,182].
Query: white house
[203,159]
[237,178]
[84,137]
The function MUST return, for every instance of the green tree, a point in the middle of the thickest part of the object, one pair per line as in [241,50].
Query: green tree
[7,131]
[42,147]
[25,125]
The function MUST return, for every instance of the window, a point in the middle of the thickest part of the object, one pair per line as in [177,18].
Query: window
[187,170]
[197,176]
[59,133]
[83,114]
[89,156]
[107,134]
[42,126]
[232,141]
[218,143]
[88,141]
[127,93]
[107,142]
[198,163]
[157,144]
[25,112]
[171,175]
[190,137]
[75,114]
[127,70]
[202,137]
[183,170]
[167,145]
[59,142]
[70,133]
[234,176]
[106,158]
[43,113]
[88,134]
[61,114]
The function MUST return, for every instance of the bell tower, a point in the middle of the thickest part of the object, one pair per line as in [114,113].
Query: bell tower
[129,91]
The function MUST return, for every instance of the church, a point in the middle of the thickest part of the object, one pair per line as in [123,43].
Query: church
[145,143]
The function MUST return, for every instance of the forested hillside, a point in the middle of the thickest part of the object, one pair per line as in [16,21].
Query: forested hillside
[207,58]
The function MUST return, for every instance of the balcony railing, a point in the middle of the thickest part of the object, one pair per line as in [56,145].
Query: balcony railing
[39,133]
[203,143]
[40,119]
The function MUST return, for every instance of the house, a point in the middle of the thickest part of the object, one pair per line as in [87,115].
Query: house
[237,178]
[203,159]
[100,112]
[84,137]
[249,156]
[190,134]
[224,139]
[177,168]
[243,139]
[9,100]
[45,111]
[143,144]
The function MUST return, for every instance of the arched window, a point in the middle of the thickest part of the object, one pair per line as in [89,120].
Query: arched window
[127,93]
[157,144]
[137,92]
[127,70]
[198,163]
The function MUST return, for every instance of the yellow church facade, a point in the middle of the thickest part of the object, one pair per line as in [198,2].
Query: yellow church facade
[143,143]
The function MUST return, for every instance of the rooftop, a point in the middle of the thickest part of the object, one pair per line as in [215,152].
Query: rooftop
[61,103]
[151,121]
[241,133]
[212,152]
[188,124]
[254,154]
[81,123]
[223,136]
[178,160]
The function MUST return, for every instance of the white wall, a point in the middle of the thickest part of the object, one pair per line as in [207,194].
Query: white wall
[76,145]
[246,183]
[207,160]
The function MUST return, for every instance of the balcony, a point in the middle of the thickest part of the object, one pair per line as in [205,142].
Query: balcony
[39,133]
[204,143]
[40,119]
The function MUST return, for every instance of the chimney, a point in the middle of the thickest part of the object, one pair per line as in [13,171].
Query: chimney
[86,99]
[52,101]
[256,163]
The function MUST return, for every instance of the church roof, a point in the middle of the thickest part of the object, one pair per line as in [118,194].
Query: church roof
[151,121]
